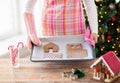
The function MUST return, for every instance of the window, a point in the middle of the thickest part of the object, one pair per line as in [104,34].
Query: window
[7,19]
[12,20]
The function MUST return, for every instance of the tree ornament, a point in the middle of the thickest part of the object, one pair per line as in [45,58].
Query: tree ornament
[109,26]
[113,19]
[112,6]
[109,37]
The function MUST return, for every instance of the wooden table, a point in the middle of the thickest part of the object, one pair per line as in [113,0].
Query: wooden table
[44,72]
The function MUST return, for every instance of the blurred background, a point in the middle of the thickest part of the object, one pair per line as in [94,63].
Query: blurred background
[12,25]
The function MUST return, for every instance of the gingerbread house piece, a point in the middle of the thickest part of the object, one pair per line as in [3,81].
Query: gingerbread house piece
[76,50]
[54,54]
[49,46]
[107,67]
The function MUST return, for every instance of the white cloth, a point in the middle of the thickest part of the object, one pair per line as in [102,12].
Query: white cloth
[29,6]
[92,15]
[89,6]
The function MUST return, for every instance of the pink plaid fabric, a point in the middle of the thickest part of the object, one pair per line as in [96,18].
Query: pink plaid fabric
[63,17]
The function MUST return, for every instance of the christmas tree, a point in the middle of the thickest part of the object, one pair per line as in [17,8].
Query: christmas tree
[109,27]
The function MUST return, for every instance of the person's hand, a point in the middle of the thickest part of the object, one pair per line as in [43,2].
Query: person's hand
[90,37]
[32,39]
[94,37]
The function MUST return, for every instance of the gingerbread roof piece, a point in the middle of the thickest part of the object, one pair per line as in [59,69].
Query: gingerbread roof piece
[111,61]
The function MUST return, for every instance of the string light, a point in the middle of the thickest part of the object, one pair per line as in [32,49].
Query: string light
[117,38]
[114,44]
[100,12]
[98,35]
[105,12]
[115,51]
[101,5]
[100,28]
[104,30]
[101,16]
[108,40]
[113,47]
[101,49]
[98,0]
[99,20]
[118,29]
[112,24]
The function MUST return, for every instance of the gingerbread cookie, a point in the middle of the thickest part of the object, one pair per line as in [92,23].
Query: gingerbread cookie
[52,46]
[76,51]
[52,55]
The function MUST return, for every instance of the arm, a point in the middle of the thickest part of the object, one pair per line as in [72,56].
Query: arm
[92,17]
[30,23]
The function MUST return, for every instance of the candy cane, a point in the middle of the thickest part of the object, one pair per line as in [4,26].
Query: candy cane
[11,48]
[14,52]
[14,55]
[17,49]
[20,43]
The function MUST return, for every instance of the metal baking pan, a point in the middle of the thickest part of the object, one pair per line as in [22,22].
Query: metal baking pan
[37,53]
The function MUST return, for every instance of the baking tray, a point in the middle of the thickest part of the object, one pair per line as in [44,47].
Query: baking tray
[37,52]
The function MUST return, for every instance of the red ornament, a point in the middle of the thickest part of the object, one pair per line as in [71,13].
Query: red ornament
[107,72]
[113,19]
[97,70]
[109,37]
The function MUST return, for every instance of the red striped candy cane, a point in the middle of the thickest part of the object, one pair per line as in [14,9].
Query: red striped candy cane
[14,55]
[11,48]
[20,43]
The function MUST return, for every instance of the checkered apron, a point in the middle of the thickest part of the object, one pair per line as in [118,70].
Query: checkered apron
[63,17]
